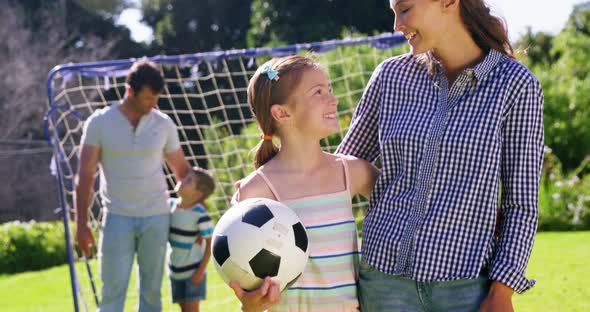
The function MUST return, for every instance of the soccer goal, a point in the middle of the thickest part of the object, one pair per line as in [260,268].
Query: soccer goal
[205,95]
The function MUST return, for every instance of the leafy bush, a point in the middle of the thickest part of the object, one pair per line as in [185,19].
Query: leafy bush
[31,246]
[564,200]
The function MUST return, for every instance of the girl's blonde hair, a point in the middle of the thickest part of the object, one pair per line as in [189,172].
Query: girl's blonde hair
[263,92]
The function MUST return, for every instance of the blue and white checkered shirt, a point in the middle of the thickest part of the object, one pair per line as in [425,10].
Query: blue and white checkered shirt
[446,155]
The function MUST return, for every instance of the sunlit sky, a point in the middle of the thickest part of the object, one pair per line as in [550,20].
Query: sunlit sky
[541,15]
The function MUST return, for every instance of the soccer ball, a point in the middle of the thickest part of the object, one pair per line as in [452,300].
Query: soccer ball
[260,237]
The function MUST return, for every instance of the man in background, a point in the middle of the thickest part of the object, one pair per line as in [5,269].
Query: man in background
[129,142]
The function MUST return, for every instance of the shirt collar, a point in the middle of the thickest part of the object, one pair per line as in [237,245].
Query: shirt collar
[479,71]
[492,59]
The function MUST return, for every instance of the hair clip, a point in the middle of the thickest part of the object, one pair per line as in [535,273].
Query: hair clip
[270,73]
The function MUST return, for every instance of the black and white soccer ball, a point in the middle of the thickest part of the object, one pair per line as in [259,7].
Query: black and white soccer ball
[260,237]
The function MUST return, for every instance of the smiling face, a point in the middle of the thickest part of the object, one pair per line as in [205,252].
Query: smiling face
[421,21]
[313,106]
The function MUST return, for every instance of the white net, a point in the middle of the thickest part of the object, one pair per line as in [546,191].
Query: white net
[205,95]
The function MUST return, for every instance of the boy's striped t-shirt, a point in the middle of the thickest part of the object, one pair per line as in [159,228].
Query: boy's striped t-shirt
[185,225]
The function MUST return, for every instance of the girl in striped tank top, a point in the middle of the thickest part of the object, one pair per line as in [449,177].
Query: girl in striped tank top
[292,100]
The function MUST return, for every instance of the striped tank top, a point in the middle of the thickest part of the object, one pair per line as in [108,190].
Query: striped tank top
[329,281]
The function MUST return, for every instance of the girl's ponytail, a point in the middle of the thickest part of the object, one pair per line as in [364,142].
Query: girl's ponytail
[264,151]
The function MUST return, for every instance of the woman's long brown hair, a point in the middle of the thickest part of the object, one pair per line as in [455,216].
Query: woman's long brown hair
[488,31]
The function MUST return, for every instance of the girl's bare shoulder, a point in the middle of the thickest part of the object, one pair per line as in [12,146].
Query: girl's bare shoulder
[252,186]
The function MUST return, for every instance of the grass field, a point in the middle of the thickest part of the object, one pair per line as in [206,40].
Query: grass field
[560,263]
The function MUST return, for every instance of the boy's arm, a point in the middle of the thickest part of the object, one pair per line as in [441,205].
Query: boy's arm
[205,226]
[199,239]
[200,271]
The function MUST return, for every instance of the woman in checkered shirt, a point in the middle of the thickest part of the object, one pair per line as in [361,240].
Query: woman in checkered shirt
[455,123]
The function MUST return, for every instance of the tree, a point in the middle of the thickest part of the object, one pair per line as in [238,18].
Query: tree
[280,22]
[567,88]
[29,53]
[107,8]
[537,47]
[86,20]
[189,26]
[34,40]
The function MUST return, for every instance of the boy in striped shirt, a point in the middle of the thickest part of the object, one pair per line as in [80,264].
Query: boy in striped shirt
[190,239]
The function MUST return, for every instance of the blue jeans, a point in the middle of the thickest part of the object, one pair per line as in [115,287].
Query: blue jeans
[121,239]
[184,291]
[383,292]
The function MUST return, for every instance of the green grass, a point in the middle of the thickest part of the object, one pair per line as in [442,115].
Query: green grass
[50,291]
[559,264]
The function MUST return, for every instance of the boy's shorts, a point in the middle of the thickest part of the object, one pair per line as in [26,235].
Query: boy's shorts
[185,290]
